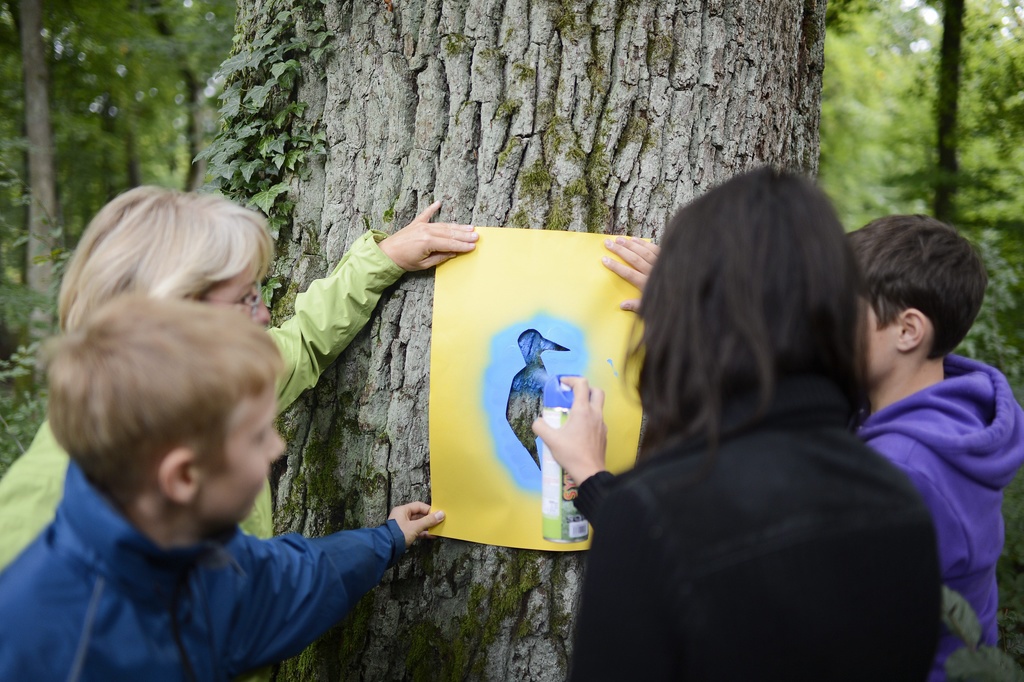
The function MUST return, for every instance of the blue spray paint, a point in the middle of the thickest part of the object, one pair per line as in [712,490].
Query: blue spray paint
[506,362]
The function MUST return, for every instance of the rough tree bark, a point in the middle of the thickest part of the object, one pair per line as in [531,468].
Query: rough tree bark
[601,116]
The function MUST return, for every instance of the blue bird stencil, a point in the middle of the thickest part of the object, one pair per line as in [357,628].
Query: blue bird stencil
[526,395]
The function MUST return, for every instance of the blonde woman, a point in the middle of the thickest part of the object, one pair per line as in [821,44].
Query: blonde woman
[168,244]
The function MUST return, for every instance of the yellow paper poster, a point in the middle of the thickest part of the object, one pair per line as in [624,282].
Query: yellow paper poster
[526,304]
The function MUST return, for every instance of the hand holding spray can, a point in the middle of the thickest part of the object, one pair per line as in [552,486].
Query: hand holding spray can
[561,521]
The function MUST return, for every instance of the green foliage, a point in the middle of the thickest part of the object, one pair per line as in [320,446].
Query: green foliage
[128,90]
[995,336]
[126,85]
[1011,571]
[974,662]
[22,404]
[877,133]
[840,15]
[126,79]
[264,138]
[992,119]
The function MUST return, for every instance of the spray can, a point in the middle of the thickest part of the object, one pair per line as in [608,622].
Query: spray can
[560,520]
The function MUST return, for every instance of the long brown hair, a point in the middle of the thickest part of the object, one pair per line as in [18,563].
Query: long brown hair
[755,281]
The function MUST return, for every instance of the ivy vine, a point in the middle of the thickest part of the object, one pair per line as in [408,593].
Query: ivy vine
[264,139]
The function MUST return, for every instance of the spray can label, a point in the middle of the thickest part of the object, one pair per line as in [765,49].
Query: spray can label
[561,521]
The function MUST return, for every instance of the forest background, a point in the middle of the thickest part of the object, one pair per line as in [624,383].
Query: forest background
[922,112]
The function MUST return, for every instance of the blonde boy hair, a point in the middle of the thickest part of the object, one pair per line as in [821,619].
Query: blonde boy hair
[164,244]
[142,376]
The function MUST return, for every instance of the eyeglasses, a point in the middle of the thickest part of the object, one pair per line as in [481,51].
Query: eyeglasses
[252,300]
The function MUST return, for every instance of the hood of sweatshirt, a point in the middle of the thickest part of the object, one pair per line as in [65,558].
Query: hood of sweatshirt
[971,420]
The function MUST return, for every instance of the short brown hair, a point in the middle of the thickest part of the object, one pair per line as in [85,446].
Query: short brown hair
[141,376]
[164,244]
[914,261]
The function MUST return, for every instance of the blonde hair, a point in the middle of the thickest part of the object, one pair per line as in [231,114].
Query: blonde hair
[164,244]
[141,376]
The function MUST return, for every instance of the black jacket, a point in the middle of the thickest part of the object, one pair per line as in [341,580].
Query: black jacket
[799,554]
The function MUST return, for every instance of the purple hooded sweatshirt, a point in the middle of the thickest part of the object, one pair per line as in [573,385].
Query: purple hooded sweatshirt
[960,441]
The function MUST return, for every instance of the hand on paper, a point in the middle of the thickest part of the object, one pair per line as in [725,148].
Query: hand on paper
[415,520]
[422,244]
[639,257]
[579,446]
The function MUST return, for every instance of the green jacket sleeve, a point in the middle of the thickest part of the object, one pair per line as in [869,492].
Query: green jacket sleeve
[29,493]
[330,314]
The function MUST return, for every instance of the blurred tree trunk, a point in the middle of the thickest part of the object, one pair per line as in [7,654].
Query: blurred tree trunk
[196,172]
[947,105]
[197,115]
[599,116]
[42,212]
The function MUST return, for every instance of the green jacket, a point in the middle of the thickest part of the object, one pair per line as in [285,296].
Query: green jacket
[327,317]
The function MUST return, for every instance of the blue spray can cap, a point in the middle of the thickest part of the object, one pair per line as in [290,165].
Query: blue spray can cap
[556,394]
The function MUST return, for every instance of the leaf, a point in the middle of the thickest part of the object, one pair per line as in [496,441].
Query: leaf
[986,664]
[248,168]
[245,131]
[232,103]
[272,145]
[265,199]
[318,53]
[281,67]
[959,617]
[258,94]
[282,115]
[293,157]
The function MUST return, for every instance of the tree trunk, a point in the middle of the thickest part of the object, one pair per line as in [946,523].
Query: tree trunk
[197,114]
[949,95]
[591,116]
[195,174]
[42,213]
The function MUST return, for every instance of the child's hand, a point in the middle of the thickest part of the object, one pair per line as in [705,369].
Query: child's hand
[415,519]
[579,446]
[640,257]
[422,244]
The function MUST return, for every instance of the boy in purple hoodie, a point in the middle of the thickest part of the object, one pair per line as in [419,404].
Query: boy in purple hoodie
[951,424]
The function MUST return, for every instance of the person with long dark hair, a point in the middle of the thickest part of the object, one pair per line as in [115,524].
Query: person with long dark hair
[757,538]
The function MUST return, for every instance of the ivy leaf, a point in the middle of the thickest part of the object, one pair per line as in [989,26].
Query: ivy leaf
[245,131]
[224,169]
[234,63]
[291,66]
[959,617]
[282,115]
[232,102]
[317,53]
[245,60]
[207,152]
[258,94]
[293,157]
[272,145]
[986,664]
[248,168]
[265,199]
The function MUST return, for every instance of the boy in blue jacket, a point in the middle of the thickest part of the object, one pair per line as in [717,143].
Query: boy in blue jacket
[951,424]
[166,409]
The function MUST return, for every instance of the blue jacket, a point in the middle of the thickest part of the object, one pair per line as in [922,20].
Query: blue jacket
[960,442]
[93,599]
